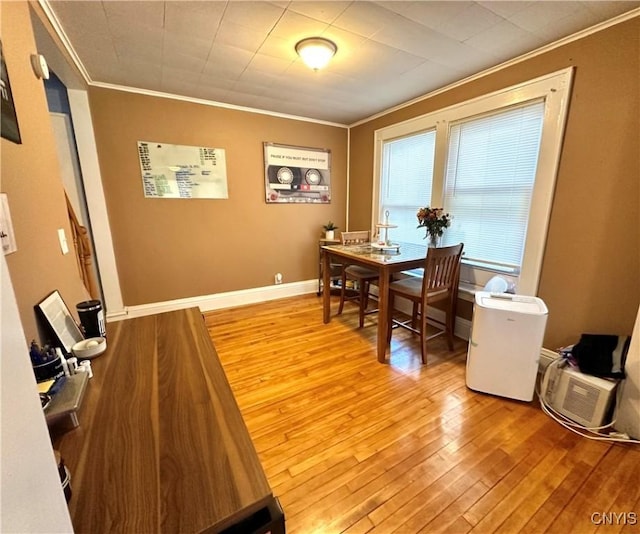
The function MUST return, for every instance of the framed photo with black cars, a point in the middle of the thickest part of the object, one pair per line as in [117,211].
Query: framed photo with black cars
[8,119]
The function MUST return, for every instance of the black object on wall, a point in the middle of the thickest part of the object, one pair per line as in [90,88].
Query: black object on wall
[9,123]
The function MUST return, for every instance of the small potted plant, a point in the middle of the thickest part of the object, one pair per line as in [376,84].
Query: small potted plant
[329,230]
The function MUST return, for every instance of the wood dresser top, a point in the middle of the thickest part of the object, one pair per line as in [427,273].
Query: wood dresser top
[161,445]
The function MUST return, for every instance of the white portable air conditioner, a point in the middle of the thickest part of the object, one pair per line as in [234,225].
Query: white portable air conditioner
[582,398]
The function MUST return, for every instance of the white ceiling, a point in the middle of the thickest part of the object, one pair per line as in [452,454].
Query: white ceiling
[242,53]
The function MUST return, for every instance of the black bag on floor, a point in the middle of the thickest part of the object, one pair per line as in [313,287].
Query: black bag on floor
[602,355]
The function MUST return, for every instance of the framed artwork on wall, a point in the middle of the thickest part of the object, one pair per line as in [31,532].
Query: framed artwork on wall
[58,321]
[9,120]
[294,174]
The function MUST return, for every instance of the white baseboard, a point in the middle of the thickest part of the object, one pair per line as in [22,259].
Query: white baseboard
[259,294]
[220,300]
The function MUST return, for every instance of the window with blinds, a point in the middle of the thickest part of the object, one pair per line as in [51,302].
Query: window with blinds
[406,182]
[489,179]
[491,162]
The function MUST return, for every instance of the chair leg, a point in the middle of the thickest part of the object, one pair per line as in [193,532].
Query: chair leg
[366,294]
[390,320]
[423,335]
[364,289]
[450,327]
[343,278]
[414,315]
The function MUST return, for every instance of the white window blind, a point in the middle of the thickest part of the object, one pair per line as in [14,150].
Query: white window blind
[489,179]
[406,181]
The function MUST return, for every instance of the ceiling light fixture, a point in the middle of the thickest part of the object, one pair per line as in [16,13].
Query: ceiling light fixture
[316,52]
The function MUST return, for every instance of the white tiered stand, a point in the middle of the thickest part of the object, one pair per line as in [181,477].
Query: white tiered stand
[385,244]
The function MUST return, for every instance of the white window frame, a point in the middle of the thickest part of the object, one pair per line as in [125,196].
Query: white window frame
[554,89]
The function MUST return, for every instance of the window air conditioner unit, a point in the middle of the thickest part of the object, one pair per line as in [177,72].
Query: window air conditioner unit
[582,398]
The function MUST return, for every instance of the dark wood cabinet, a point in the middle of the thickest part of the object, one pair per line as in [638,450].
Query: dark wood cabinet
[162,445]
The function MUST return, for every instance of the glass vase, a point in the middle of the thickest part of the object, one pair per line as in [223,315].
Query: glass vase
[434,241]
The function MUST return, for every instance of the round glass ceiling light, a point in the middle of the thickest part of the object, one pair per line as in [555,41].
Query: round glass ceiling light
[316,52]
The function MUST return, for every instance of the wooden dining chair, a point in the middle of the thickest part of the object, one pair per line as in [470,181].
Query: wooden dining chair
[361,276]
[439,284]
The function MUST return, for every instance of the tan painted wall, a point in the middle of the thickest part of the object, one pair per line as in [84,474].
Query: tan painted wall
[175,248]
[591,271]
[30,176]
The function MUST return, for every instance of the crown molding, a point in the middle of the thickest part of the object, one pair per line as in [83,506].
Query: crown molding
[213,103]
[514,61]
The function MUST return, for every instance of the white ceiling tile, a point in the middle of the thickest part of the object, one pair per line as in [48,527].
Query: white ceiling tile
[431,14]
[418,80]
[606,10]
[172,59]
[411,37]
[505,9]
[187,45]
[261,16]
[461,57]
[144,36]
[71,15]
[193,19]
[141,51]
[505,37]
[227,59]
[538,15]
[269,64]
[295,27]
[185,76]
[131,65]
[135,14]
[388,51]
[566,25]
[216,82]
[231,33]
[177,85]
[279,47]
[469,22]
[364,18]
[102,67]
[322,11]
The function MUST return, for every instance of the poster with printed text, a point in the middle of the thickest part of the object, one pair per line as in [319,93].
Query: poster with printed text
[178,171]
[297,174]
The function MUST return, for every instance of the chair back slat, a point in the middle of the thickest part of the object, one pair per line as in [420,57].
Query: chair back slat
[355,238]
[442,269]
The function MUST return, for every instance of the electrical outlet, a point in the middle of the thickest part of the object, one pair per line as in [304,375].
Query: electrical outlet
[278,278]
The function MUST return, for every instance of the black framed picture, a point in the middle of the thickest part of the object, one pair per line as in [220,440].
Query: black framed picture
[9,123]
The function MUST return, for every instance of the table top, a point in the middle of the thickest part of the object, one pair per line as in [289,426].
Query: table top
[407,253]
[162,446]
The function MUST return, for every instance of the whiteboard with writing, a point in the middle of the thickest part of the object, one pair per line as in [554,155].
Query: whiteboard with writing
[178,171]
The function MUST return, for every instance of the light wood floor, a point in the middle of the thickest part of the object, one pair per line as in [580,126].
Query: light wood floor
[352,445]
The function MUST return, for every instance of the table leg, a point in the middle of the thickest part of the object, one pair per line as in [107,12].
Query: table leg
[326,287]
[383,311]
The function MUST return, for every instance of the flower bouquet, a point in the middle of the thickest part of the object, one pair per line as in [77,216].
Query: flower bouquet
[435,220]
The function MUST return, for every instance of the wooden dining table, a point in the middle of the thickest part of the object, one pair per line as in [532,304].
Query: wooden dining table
[406,257]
